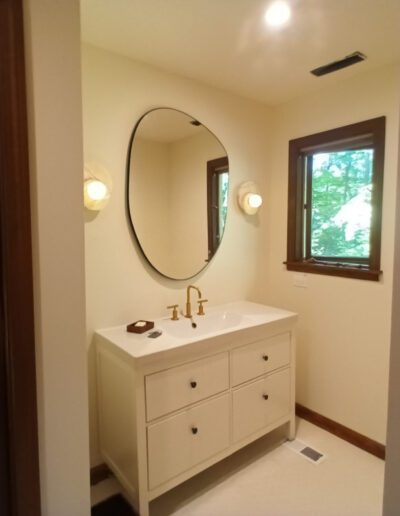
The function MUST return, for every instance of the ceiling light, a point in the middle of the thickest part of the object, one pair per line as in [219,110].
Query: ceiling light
[277,14]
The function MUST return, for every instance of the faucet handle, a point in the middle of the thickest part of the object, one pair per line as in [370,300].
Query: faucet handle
[174,312]
[201,308]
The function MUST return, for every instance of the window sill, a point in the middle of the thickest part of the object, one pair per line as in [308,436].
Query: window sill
[332,270]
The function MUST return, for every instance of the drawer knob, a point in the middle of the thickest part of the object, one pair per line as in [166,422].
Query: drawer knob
[194,430]
[193,384]
[265,357]
[265,396]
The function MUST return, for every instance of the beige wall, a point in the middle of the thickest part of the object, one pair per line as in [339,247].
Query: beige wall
[168,192]
[150,199]
[121,287]
[189,225]
[344,324]
[55,140]
[391,502]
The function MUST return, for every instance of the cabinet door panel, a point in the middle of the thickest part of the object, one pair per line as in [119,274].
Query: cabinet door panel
[184,440]
[260,403]
[260,357]
[180,386]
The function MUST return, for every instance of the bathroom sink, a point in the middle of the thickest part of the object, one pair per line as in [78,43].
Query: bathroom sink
[202,325]
[227,319]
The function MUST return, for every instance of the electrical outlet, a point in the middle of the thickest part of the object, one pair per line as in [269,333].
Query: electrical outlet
[300,280]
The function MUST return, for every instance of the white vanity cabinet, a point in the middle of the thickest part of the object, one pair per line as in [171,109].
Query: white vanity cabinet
[178,387]
[171,407]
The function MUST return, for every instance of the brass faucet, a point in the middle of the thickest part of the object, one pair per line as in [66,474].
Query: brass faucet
[188,313]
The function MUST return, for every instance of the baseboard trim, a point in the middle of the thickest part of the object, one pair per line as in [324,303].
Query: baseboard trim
[99,473]
[359,440]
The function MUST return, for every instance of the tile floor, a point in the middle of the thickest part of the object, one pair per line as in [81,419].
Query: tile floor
[268,478]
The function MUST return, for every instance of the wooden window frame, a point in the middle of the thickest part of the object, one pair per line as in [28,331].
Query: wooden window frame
[215,167]
[343,138]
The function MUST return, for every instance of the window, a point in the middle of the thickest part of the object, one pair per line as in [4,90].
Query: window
[217,201]
[335,201]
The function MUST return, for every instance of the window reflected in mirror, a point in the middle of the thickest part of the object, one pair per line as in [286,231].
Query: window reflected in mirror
[217,201]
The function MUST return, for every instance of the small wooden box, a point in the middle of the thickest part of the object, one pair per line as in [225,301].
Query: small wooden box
[132,328]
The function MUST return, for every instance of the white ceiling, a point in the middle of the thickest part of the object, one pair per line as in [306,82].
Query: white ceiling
[226,44]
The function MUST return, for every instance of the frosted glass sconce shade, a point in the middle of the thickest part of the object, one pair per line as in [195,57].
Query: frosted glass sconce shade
[95,194]
[249,198]
[96,187]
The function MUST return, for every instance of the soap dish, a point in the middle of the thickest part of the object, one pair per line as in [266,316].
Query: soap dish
[140,326]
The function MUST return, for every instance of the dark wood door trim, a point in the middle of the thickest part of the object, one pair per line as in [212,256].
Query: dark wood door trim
[18,419]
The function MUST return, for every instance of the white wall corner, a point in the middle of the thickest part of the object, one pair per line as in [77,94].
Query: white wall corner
[52,47]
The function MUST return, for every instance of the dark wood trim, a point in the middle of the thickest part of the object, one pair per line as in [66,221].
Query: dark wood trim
[359,440]
[214,168]
[99,473]
[331,270]
[4,455]
[371,132]
[115,505]
[349,133]
[17,345]
[295,205]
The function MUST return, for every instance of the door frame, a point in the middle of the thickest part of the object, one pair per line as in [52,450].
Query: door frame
[19,458]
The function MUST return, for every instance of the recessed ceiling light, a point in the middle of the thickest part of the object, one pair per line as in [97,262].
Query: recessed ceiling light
[277,14]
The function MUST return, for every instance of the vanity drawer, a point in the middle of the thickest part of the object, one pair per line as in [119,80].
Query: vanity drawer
[180,386]
[182,441]
[260,403]
[259,358]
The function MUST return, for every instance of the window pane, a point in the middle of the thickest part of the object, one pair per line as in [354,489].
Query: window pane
[341,203]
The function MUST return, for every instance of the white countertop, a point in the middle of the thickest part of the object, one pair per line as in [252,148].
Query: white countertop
[238,316]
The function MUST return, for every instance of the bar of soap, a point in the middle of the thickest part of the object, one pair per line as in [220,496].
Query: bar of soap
[140,326]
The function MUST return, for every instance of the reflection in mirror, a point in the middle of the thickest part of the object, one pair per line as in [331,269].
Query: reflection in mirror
[217,201]
[177,192]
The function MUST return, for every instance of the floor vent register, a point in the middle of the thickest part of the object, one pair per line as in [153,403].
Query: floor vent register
[306,451]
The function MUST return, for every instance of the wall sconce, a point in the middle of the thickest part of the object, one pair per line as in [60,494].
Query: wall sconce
[249,197]
[96,187]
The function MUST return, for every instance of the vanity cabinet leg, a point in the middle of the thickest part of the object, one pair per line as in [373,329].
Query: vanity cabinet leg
[292,429]
[143,507]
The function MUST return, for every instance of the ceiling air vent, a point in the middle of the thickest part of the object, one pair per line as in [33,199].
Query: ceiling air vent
[349,60]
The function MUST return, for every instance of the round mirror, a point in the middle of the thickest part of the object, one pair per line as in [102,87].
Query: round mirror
[177,191]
